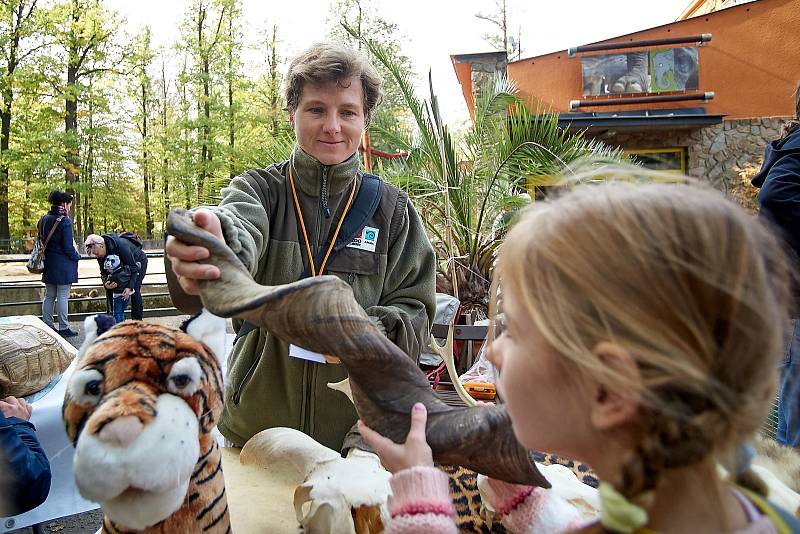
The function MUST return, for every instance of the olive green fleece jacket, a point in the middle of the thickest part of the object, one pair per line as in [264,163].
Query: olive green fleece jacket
[395,285]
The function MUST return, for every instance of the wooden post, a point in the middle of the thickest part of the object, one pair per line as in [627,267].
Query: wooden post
[367,151]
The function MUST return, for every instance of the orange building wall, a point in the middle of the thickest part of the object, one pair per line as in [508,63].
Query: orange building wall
[464,75]
[752,63]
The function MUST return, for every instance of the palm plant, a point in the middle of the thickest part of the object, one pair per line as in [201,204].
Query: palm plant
[508,150]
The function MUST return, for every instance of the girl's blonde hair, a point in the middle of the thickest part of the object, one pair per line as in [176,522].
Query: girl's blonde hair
[689,284]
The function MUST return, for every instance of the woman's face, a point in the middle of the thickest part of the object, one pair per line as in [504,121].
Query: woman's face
[329,120]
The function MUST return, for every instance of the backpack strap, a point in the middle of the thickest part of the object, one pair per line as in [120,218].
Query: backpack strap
[364,206]
[362,209]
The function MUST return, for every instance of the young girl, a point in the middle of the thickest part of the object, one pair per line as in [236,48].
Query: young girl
[643,327]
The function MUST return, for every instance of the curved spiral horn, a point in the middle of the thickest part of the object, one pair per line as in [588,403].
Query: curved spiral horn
[321,314]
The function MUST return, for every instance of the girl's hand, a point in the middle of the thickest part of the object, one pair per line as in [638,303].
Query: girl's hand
[415,451]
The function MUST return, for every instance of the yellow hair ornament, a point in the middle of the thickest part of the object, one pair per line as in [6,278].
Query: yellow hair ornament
[617,513]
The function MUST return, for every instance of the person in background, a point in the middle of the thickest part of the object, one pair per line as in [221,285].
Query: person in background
[61,262]
[779,198]
[114,271]
[25,481]
[641,327]
[282,222]
[130,256]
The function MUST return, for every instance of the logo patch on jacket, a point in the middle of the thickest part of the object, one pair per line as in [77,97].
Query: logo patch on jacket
[366,240]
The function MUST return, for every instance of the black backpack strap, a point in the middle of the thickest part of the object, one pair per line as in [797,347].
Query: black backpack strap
[363,208]
[245,329]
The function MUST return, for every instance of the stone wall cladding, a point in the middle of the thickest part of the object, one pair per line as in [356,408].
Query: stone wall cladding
[485,71]
[714,153]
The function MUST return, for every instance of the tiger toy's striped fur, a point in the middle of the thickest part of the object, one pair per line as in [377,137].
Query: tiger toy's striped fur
[140,408]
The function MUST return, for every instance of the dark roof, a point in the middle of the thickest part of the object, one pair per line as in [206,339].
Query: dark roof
[640,119]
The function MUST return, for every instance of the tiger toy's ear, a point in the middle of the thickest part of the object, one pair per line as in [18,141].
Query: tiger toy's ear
[94,326]
[209,329]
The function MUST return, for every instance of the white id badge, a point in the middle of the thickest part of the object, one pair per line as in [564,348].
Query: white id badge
[366,240]
[303,354]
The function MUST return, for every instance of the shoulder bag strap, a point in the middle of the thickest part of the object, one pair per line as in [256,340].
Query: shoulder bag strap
[52,230]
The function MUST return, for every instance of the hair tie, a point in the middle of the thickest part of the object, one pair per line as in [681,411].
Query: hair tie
[617,513]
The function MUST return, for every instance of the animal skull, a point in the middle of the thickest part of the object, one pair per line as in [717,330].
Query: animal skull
[338,495]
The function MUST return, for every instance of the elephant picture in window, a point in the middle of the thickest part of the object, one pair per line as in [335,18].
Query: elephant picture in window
[615,74]
[673,69]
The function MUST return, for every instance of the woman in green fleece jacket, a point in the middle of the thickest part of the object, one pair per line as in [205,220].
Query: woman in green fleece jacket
[277,217]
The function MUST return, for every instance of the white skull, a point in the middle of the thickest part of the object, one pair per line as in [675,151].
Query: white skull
[334,489]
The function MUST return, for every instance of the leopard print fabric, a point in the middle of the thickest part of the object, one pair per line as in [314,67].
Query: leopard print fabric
[472,517]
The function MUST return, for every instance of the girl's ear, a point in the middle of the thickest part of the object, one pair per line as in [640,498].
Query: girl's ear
[612,408]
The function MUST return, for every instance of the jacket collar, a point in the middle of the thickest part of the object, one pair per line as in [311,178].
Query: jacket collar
[307,172]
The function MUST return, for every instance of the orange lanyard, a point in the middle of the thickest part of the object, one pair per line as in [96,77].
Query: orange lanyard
[303,226]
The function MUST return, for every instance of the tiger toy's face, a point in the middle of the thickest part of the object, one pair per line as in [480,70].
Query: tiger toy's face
[140,407]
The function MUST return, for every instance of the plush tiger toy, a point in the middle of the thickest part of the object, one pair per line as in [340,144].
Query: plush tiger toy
[140,407]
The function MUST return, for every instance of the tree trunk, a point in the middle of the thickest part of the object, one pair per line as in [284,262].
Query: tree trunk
[71,165]
[165,168]
[5,129]
[203,108]
[145,171]
[231,129]
[27,219]
[274,83]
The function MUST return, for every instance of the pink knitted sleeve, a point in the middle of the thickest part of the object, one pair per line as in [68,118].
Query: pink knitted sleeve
[420,502]
[527,509]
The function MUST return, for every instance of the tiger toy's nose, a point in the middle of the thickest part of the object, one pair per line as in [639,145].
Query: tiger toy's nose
[122,431]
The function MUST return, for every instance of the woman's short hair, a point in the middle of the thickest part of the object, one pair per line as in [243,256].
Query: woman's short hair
[332,62]
[57,197]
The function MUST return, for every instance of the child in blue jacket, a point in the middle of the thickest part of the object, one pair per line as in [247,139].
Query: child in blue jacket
[23,462]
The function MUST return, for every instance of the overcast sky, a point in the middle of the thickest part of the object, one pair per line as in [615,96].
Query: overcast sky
[432,30]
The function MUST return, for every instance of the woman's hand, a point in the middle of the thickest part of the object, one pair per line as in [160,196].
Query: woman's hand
[414,452]
[126,293]
[110,285]
[184,257]
[14,407]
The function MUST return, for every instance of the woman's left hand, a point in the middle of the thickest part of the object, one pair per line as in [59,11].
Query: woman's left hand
[414,452]
[126,293]
[110,285]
